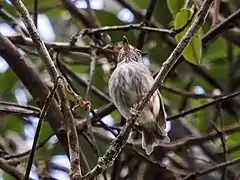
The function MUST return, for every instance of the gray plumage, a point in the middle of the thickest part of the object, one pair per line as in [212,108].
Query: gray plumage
[128,83]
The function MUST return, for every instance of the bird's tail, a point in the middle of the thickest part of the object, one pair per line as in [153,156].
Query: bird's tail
[152,135]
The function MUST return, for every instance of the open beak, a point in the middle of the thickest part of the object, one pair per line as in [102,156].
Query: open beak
[126,46]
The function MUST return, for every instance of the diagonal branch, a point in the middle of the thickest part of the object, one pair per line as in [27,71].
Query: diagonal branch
[214,168]
[73,144]
[38,129]
[222,27]
[218,100]
[117,145]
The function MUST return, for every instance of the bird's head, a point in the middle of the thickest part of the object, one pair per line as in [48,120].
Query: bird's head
[129,53]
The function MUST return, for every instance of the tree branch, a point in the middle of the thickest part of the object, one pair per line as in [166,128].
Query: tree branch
[8,107]
[68,116]
[128,27]
[38,129]
[147,18]
[218,100]
[214,168]
[222,27]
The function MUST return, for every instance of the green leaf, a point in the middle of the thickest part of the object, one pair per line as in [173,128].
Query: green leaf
[212,50]
[14,123]
[58,149]
[219,69]
[6,176]
[46,130]
[193,51]
[7,81]
[175,6]
[232,141]
[141,3]
[200,119]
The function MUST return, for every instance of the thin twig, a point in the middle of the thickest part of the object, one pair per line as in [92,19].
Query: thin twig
[41,144]
[215,17]
[87,98]
[222,27]
[232,67]
[223,140]
[188,94]
[218,100]
[128,27]
[146,20]
[230,150]
[190,141]
[105,126]
[91,72]
[91,14]
[84,162]
[184,100]
[9,107]
[35,13]
[92,144]
[158,164]
[105,161]
[38,129]
[214,168]
[89,86]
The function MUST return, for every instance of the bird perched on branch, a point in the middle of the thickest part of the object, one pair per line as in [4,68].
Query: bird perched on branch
[127,85]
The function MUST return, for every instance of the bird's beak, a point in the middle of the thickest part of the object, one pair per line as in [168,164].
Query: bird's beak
[126,46]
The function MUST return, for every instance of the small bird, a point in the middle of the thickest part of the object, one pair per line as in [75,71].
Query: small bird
[128,83]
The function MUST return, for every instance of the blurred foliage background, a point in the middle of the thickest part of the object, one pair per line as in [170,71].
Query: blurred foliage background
[208,70]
